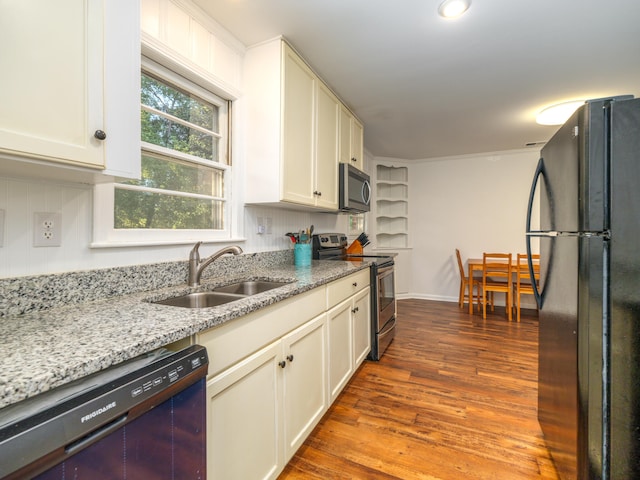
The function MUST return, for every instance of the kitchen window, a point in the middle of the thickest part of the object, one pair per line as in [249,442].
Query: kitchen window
[183,193]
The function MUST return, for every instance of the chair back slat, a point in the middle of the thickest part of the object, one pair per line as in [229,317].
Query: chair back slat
[496,266]
[496,277]
[522,268]
[524,285]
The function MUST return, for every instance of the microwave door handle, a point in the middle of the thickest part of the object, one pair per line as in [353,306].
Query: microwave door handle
[366,192]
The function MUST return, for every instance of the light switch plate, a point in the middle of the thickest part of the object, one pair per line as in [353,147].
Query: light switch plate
[1,228]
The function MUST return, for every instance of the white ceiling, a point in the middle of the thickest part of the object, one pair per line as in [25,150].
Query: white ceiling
[427,87]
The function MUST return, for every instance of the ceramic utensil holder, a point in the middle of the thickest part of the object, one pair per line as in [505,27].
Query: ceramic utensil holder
[302,254]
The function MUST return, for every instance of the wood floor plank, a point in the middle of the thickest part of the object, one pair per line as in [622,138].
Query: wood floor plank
[454,397]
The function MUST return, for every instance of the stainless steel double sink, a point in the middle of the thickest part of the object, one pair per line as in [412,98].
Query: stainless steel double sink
[221,295]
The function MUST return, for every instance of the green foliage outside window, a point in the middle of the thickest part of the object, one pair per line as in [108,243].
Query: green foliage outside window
[174,193]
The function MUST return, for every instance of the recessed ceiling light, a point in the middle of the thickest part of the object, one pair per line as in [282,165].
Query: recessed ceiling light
[559,113]
[453,8]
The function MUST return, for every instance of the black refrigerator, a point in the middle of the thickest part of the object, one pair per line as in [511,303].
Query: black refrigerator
[588,185]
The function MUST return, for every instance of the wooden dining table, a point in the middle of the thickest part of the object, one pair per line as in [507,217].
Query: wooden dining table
[475,265]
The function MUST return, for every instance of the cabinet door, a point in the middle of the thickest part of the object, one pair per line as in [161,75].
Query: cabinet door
[351,138]
[345,135]
[243,415]
[299,85]
[361,326]
[51,86]
[305,382]
[326,167]
[357,154]
[340,347]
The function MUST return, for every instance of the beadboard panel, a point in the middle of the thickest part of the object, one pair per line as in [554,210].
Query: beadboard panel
[21,198]
[187,31]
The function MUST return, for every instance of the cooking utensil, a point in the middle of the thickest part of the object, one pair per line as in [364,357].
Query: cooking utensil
[292,236]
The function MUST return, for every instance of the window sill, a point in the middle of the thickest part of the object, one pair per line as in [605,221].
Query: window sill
[150,243]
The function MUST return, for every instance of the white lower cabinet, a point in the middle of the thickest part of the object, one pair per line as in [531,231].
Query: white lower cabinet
[349,327]
[361,325]
[242,425]
[304,379]
[274,373]
[261,410]
[340,347]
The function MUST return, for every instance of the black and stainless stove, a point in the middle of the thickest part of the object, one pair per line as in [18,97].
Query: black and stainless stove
[333,246]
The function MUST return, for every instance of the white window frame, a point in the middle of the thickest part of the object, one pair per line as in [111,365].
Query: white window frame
[104,233]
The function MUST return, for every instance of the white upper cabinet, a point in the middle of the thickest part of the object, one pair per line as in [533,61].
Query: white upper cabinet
[69,87]
[292,130]
[351,139]
[298,110]
[326,166]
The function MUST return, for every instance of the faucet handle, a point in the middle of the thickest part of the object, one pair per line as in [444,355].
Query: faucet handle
[195,254]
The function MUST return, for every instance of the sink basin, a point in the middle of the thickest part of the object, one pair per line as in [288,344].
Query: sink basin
[221,295]
[250,287]
[201,299]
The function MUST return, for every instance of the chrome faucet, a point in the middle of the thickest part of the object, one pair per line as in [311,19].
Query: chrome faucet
[196,266]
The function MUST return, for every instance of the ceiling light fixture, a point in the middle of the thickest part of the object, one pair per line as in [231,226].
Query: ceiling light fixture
[453,8]
[559,113]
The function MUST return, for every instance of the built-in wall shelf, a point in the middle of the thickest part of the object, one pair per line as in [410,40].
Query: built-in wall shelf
[392,206]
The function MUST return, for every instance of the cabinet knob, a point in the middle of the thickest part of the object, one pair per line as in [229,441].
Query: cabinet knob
[290,358]
[355,284]
[355,310]
[100,134]
[354,159]
[282,364]
[317,193]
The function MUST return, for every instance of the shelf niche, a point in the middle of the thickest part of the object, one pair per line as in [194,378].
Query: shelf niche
[392,206]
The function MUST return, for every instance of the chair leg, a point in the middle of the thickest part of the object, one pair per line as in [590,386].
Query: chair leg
[473,297]
[461,294]
[509,305]
[484,305]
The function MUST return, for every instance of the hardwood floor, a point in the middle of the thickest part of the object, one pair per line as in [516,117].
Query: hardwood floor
[454,397]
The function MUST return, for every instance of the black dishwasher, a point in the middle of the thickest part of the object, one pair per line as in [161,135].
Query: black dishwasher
[142,419]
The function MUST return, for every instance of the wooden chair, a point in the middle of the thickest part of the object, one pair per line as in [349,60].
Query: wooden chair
[496,277]
[523,285]
[465,284]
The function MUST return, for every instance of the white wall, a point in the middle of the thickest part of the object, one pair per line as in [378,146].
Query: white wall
[476,203]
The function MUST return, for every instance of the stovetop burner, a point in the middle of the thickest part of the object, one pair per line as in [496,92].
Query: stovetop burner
[333,246]
[379,260]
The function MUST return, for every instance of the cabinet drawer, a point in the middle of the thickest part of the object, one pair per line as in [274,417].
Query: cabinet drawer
[341,289]
[239,338]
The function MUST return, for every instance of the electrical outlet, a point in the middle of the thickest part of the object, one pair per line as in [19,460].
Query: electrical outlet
[47,229]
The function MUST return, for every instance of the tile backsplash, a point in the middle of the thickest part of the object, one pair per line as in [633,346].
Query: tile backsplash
[26,294]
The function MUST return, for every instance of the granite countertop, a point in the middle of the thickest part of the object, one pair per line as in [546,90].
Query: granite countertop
[45,349]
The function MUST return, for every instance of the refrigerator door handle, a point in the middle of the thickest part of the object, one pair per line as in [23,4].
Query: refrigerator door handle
[536,293]
[536,177]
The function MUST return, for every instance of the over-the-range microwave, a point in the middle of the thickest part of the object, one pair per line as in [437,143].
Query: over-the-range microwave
[354,188]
